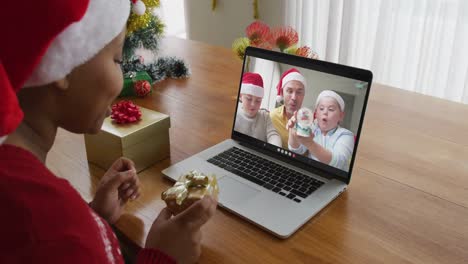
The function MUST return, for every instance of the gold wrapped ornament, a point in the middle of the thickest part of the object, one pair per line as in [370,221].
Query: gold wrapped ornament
[190,188]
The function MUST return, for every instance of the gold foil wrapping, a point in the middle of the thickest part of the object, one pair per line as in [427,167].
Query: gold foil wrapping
[190,188]
[145,142]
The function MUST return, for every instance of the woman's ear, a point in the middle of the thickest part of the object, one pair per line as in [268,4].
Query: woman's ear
[62,84]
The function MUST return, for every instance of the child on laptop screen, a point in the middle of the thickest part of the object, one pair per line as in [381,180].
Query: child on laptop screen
[329,143]
[250,119]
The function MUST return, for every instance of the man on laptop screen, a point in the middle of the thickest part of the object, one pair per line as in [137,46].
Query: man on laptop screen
[331,137]
[286,159]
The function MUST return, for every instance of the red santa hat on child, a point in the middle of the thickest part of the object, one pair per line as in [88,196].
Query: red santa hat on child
[290,75]
[332,94]
[252,83]
[51,38]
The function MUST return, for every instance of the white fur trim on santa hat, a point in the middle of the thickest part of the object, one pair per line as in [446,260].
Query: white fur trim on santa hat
[252,89]
[2,139]
[279,99]
[332,94]
[82,40]
[294,76]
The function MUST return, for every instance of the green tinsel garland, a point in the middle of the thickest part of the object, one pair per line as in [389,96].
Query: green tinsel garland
[164,67]
[146,33]
[147,38]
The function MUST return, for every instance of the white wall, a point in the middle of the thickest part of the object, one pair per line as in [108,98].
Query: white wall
[353,97]
[270,73]
[172,14]
[229,20]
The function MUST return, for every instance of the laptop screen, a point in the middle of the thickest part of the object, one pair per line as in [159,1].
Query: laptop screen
[306,110]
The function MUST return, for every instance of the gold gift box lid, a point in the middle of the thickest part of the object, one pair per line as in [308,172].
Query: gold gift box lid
[136,130]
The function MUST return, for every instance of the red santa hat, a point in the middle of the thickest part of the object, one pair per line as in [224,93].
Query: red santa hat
[334,95]
[252,83]
[290,75]
[45,40]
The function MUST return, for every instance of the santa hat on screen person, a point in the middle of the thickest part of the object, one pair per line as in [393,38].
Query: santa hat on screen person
[68,34]
[331,94]
[290,75]
[252,83]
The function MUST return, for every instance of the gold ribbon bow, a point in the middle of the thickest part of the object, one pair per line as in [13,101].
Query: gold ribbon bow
[188,182]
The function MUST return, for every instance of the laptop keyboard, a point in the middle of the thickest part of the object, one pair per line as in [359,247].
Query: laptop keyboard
[277,178]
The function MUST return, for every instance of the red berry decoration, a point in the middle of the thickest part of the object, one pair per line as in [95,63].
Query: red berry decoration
[142,88]
[125,112]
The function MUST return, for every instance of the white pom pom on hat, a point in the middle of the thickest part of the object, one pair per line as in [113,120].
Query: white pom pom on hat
[138,7]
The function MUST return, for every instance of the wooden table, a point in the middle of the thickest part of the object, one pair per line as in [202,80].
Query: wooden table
[408,198]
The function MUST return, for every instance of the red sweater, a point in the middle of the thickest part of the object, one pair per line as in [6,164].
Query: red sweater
[44,219]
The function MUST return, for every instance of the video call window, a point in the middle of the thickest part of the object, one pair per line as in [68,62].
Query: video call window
[313,114]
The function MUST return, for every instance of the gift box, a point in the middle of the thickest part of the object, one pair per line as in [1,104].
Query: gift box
[144,142]
[188,189]
[129,82]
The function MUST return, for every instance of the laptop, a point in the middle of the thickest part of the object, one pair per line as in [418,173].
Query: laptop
[269,184]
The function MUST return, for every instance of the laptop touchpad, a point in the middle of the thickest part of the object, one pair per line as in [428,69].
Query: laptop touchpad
[233,191]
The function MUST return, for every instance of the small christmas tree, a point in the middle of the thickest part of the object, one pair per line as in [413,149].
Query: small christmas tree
[144,33]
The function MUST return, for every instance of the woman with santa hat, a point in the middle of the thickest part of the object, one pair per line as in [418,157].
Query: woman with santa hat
[60,67]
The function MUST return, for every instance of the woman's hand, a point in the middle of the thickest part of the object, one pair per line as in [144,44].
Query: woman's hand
[180,236]
[119,184]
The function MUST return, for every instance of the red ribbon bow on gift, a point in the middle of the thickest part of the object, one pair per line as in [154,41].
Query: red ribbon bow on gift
[125,112]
